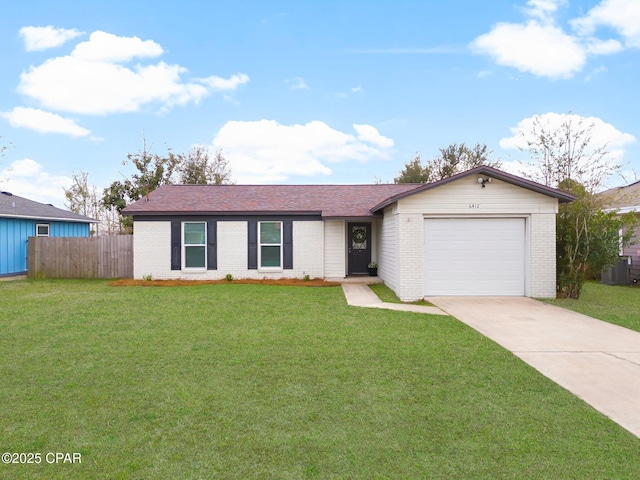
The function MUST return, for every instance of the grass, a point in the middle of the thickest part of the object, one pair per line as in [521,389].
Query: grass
[387,295]
[615,304]
[255,381]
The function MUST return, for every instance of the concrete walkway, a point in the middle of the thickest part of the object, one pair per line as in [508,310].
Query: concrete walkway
[597,361]
[360,295]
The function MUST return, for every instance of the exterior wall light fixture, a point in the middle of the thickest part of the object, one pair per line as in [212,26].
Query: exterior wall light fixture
[483,181]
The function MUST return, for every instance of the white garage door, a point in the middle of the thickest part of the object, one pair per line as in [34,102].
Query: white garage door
[479,256]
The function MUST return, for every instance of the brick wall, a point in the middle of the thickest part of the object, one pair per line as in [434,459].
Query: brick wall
[152,252]
[387,252]
[150,239]
[410,256]
[542,256]
[334,249]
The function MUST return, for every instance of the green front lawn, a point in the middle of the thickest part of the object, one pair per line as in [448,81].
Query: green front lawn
[614,304]
[256,381]
[387,295]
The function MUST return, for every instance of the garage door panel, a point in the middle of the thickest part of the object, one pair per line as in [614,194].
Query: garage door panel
[475,256]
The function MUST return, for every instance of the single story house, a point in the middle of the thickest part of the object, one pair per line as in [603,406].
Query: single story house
[21,218]
[626,199]
[481,232]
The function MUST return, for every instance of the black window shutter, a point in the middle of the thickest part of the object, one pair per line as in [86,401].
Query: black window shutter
[212,253]
[253,245]
[287,244]
[176,245]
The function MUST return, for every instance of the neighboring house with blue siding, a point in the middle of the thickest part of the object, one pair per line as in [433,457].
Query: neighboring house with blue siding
[21,218]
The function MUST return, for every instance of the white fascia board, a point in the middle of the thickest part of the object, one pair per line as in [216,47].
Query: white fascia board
[56,219]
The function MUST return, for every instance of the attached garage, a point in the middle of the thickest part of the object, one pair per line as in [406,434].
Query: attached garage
[483,232]
[474,256]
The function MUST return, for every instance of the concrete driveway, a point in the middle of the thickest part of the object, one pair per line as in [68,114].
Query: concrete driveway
[597,361]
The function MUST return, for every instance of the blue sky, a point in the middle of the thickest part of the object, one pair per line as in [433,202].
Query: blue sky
[302,91]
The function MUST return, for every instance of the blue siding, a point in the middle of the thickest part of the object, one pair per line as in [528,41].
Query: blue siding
[63,229]
[14,233]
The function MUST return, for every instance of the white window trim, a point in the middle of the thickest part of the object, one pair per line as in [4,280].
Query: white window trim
[620,248]
[260,245]
[38,225]
[183,247]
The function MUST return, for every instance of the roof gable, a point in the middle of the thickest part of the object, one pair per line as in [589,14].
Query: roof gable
[483,171]
[19,207]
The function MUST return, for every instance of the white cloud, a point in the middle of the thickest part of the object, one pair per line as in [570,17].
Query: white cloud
[24,168]
[42,38]
[297,83]
[219,84]
[595,72]
[543,9]
[266,151]
[542,47]
[543,50]
[44,122]
[106,47]
[93,80]
[602,134]
[603,47]
[621,15]
[369,134]
[357,89]
[27,178]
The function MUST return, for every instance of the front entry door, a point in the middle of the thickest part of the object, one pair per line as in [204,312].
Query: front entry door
[359,248]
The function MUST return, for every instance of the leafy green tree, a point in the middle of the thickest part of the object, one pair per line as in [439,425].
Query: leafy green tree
[198,167]
[414,172]
[588,238]
[458,158]
[152,171]
[453,159]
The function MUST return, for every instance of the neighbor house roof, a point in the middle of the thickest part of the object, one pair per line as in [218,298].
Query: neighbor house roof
[329,201]
[625,198]
[13,206]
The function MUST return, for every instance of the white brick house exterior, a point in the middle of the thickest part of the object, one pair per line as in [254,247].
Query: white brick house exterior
[207,232]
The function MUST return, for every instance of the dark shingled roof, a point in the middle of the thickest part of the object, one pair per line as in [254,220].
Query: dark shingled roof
[19,207]
[329,201]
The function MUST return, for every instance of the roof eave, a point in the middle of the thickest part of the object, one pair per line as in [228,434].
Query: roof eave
[563,197]
[224,213]
[355,218]
[621,210]
[55,219]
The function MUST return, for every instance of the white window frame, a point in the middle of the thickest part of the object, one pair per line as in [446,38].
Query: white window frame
[38,225]
[183,247]
[279,268]
[620,248]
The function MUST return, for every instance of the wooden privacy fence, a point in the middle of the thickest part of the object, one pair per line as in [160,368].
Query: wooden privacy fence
[80,257]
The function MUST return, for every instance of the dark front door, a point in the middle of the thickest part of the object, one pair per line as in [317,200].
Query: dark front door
[359,247]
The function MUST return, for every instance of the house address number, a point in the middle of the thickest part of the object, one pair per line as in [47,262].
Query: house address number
[474,205]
